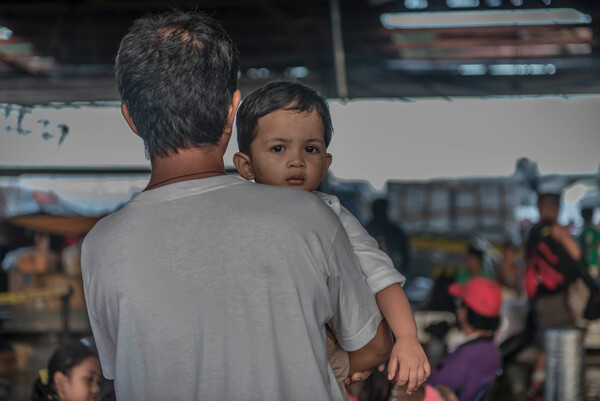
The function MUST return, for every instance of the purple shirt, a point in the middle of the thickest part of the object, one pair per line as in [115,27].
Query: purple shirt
[469,368]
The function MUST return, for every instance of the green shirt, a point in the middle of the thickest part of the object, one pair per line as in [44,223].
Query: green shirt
[589,239]
[463,275]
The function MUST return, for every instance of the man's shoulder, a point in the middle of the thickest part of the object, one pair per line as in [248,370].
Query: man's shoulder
[103,227]
[286,197]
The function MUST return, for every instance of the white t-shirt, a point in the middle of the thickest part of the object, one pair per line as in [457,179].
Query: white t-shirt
[220,289]
[375,265]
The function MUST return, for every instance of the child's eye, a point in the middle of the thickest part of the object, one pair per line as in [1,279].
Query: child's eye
[312,149]
[277,148]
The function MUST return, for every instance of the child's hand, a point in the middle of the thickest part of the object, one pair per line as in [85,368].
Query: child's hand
[357,377]
[408,363]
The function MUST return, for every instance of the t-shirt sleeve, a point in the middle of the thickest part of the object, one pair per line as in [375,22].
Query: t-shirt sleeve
[105,344]
[355,312]
[375,265]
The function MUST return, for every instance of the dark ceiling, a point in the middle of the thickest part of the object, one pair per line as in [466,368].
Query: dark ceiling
[63,50]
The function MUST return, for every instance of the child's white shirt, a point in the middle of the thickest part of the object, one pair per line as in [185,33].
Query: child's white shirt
[375,265]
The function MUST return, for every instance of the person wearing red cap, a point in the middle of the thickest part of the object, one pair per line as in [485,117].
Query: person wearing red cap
[475,364]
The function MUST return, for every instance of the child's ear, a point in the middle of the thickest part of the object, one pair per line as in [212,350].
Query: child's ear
[243,164]
[60,381]
[328,162]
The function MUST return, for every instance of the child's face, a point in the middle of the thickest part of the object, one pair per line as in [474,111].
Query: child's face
[289,150]
[473,263]
[82,382]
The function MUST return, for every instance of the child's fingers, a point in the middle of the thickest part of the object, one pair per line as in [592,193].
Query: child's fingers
[420,376]
[381,368]
[403,375]
[424,372]
[413,382]
[392,368]
[427,369]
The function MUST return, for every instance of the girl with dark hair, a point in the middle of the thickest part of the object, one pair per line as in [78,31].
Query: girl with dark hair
[73,374]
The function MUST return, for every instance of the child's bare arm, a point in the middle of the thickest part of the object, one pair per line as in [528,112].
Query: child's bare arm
[408,361]
[376,352]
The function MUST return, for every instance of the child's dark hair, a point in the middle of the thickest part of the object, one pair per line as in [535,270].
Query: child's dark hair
[481,322]
[279,95]
[473,250]
[587,214]
[548,199]
[66,357]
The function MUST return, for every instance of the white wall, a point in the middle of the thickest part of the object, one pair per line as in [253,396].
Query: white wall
[374,140]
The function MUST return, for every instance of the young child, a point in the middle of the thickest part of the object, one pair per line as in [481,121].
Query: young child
[473,266]
[283,131]
[73,374]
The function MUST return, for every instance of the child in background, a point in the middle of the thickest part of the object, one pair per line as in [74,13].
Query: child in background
[473,266]
[73,374]
[283,131]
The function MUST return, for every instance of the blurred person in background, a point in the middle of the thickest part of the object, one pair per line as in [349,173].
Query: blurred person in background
[391,237]
[589,240]
[510,273]
[72,374]
[475,364]
[550,254]
[474,266]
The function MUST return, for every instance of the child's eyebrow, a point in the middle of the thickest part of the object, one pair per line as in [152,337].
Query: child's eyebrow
[278,139]
[281,139]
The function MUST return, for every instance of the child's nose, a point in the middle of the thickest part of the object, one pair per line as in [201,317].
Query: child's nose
[96,388]
[296,160]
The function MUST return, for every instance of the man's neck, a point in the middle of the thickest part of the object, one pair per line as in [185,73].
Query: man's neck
[187,164]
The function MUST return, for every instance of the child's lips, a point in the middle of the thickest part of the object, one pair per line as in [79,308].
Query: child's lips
[296,180]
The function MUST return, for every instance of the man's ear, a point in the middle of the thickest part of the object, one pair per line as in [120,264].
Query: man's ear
[233,106]
[243,164]
[228,129]
[128,118]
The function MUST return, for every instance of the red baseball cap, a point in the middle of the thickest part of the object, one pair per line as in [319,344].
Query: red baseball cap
[480,294]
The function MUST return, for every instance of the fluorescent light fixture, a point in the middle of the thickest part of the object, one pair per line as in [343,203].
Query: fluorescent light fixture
[464,19]
[416,4]
[503,69]
[462,3]
[5,33]
[296,72]
[471,69]
[522,69]
[259,73]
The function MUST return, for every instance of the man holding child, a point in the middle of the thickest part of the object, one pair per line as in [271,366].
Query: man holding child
[205,286]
